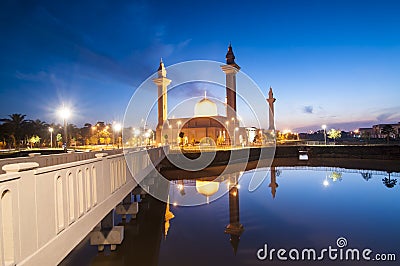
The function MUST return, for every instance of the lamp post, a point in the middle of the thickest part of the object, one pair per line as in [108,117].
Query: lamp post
[324,128]
[152,134]
[170,133]
[65,114]
[117,128]
[227,129]
[51,136]
[147,136]
[234,136]
[178,131]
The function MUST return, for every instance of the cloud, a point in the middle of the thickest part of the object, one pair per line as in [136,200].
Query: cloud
[39,76]
[387,117]
[308,109]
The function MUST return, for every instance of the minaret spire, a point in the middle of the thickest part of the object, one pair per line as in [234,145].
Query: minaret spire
[230,57]
[271,100]
[162,82]
[230,70]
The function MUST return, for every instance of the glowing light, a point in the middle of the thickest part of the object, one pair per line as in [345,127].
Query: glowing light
[238,186]
[117,127]
[323,127]
[51,129]
[325,183]
[64,112]
[175,204]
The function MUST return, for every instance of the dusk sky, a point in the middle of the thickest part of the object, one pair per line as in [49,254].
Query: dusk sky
[329,62]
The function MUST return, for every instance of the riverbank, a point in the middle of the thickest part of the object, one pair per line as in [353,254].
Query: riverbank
[383,158]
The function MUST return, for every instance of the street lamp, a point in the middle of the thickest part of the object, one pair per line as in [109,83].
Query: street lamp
[227,129]
[152,134]
[324,128]
[117,128]
[179,125]
[234,136]
[170,133]
[65,113]
[147,136]
[51,136]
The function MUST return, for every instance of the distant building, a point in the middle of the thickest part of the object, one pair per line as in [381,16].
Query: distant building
[376,131]
[366,132]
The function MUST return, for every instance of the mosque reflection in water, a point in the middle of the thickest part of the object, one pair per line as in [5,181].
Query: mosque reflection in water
[209,189]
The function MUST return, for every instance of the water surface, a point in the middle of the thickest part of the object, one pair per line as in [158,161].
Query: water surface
[293,208]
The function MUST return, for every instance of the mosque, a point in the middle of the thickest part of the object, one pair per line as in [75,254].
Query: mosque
[207,125]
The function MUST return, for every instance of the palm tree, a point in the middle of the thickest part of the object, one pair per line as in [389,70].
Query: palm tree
[15,124]
[36,128]
[390,183]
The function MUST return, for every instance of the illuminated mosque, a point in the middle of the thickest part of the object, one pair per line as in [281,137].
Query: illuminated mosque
[207,124]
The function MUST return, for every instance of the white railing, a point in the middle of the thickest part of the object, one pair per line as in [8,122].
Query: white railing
[46,211]
[53,159]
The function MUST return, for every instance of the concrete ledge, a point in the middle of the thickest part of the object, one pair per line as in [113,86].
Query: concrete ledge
[113,237]
[19,167]
[101,155]
[127,208]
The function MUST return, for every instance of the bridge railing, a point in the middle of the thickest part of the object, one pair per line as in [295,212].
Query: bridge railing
[46,211]
[54,159]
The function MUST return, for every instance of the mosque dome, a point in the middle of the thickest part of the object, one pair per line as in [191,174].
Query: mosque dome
[207,188]
[205,107]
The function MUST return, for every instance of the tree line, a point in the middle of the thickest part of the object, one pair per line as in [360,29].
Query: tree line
[16,131]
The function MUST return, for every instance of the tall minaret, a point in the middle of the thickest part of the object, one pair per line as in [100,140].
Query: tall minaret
[230,70]
[271,101]
[162,82]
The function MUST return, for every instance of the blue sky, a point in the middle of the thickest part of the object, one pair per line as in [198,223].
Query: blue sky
[329,62]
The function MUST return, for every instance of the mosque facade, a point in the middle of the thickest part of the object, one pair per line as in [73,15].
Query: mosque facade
[206,126]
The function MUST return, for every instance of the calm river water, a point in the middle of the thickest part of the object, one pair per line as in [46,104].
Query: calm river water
[294,209]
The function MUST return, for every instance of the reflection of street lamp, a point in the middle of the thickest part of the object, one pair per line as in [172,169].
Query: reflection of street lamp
[65,113]
[117,128]
[324,128]
[326,182]
[51,136]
